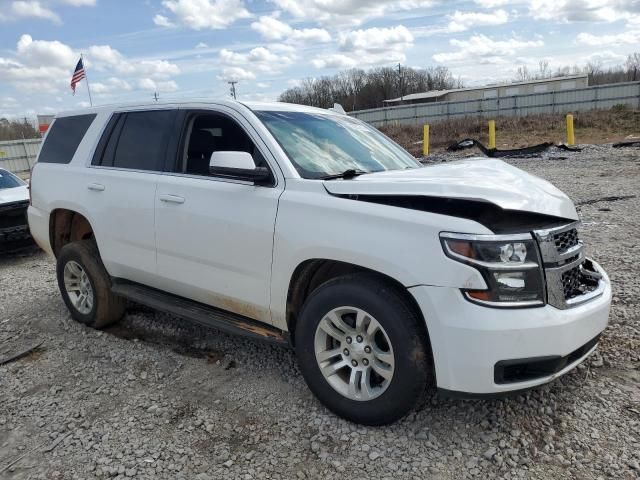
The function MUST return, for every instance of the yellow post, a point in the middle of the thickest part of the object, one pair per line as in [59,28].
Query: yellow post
[425,145]
[492,134]
[571,137]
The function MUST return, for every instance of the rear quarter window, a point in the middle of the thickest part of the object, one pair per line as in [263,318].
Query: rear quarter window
[62,141]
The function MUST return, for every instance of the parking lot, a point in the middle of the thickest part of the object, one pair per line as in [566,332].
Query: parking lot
[154,397]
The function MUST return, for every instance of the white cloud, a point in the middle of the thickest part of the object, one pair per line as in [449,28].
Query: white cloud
[111,85]
[33,9]
[46,66]
[17,9]
[106,58]
[38,65]
[156,86]
[271,28]
[237,74]
[625,38]
[352,12]
[367,47]
[376,39]
[45,53]
[492,3]
[335,60]
[583,10]
[263,85]
[162,21]
[206,14]
[483,49]
[202,45]
[259,59]
[104,54]
[462,21]
[80,3]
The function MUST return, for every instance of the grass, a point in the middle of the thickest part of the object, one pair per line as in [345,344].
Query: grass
[596,126]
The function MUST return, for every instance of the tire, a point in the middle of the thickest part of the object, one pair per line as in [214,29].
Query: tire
[398,350]
[102,308]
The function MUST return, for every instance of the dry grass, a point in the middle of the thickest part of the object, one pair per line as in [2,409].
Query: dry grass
[597,126]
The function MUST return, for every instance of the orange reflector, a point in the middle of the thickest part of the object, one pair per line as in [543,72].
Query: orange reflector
[479,294]
[461,248]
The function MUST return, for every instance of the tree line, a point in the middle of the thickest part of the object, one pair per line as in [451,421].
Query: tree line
[357,89]
[598,75]
[17,130]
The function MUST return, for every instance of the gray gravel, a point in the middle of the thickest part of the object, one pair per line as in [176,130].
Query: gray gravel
[155,397]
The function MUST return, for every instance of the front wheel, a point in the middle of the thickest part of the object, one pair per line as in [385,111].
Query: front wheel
[363,350]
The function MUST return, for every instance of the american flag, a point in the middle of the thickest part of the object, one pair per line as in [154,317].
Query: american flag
[78,75]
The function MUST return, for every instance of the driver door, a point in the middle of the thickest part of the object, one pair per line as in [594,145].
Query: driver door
[214,236]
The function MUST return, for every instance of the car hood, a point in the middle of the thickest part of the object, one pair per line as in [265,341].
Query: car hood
[474,179]
[16,194]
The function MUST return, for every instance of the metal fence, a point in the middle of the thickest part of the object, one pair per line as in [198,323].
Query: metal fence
[19,155]
[590,98]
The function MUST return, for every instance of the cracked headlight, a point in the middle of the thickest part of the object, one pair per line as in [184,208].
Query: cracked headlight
[509,264]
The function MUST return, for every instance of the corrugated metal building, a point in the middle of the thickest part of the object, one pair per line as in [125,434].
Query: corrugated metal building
[503,90]
[19,155]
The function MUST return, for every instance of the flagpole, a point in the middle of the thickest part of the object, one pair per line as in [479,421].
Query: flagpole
[86,77]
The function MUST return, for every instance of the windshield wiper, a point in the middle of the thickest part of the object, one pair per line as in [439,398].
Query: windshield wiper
[347,174]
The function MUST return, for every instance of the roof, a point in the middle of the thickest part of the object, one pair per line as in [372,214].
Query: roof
[256,106]
[441,93]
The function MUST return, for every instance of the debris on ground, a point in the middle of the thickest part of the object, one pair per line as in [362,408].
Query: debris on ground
[533,150]
[21,352]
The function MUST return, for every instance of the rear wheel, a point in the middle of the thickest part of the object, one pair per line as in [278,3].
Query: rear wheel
[362,349]
[85,285]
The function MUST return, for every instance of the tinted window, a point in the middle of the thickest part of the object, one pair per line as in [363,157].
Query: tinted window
[8,180]
[214,133]
[142,142]
[63,139]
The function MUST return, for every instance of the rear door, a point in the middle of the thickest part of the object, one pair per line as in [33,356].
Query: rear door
[215,235]
[121,190]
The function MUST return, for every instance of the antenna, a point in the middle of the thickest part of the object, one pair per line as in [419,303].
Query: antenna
[232,89]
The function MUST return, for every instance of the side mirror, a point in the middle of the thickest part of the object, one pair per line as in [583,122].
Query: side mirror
[238,166]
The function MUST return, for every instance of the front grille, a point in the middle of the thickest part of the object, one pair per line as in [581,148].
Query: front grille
[569,275]
[566,240]
[571,282]
[13,214]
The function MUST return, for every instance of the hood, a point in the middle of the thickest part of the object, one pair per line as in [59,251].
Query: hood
[16,194]
[476,179]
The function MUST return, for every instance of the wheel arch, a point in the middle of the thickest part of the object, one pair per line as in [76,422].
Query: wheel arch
[312,273]
[67,226]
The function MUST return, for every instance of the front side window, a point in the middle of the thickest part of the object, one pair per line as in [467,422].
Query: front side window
[208,133]
[321,145]
[9,180]
[64,137]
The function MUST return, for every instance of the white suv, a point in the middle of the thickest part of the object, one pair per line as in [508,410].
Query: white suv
[307,227]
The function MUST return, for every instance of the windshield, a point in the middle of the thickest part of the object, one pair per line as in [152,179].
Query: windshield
[320,145]
[9,180]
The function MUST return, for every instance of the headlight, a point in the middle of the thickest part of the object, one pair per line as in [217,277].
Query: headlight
[510,265]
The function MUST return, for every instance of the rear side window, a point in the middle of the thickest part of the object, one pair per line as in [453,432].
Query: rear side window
[63,139]
[136,140]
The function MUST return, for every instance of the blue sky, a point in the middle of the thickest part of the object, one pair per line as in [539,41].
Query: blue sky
[190,48]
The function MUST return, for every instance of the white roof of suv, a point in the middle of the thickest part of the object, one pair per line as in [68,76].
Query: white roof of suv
[257,106]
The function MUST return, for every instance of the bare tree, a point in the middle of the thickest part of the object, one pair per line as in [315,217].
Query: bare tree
[357,89]
[17,130]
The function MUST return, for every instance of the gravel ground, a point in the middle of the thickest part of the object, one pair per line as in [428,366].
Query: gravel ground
[157,398]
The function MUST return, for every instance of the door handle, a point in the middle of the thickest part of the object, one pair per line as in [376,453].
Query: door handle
[98,187]
[166,197]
